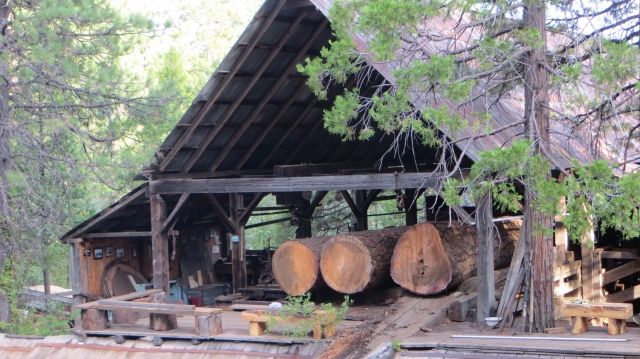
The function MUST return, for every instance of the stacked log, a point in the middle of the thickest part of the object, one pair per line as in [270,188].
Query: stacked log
[424,259]
[359,261]
[296,265]
[431,257]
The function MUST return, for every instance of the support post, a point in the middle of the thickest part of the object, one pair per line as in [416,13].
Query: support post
[76,277]
[159,244]
[362,222]
[411,214]
[590,268]
[238,261]
[304,220]
[484,244]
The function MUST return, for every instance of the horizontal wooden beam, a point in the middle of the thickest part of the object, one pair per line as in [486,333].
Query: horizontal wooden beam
[273,221]
[626,295]
[116,234]
[620,272]
[216,174]
[48,296]
[320,168]
[566,270]
[619,255]
[563,288]
[107,212]
[292,184]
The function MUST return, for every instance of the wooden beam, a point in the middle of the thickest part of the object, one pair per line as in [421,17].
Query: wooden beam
[411,212]
[238,257]
[116,235]
[566,270]
[48,296]
[362,220]
[563,288]
[238,100]
[221,88]
[626,295]
[463,214]
[315,202]
[619,255]
[244,216]
[219,174]
[136,295]
[319,168]
[266,223]
[620,272]
[159,244]
[293,4]
[231,226]
[272,91]
[352,205]
[292,184]
[301,87]
[107,212]
[484,257]
[177,210]
[371,196]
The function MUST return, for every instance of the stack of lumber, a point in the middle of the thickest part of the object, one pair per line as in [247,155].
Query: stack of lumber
[427,258]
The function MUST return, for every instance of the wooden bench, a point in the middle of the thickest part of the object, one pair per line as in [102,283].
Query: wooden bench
[208,321]
[258,323]
[617,313]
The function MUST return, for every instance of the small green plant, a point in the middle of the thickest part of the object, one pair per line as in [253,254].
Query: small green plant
[396,344]
[301,317]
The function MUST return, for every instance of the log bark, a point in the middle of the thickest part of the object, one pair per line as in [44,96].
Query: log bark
[431,257]
[296,265]
[359,261]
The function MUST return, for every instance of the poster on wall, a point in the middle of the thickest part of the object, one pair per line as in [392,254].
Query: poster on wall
[206,235]
[215,249]
[213,233]
[97,253]
[108,252]
[120,253]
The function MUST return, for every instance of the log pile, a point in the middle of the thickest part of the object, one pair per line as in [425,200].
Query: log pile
[425,259]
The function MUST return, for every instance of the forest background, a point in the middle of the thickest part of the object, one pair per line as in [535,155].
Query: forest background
[71,160]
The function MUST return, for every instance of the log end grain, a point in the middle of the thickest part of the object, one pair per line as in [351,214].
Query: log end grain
[346,264]
[419,263]
[295,267]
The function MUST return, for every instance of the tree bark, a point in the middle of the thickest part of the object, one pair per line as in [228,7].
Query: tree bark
[359,261]
[431,257]
[537,119]
[5,161]
[296,265]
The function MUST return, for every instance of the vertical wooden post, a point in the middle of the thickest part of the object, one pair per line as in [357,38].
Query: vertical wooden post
[484,243]
[362,220]
[411,214]
[159,244]
[76,276]
[304,223]
[238,263]
[590,268]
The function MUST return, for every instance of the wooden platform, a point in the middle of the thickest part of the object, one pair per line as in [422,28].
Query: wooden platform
[445,344]
[234,329]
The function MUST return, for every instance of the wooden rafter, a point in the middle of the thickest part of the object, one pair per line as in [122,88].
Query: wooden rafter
[271,124]
[220,89]
[177,211]
[240,97]
[106,213]
[291,184]
[219,174]
[272,91]
[117,234]
[221,213]
[351,203]
[290,130]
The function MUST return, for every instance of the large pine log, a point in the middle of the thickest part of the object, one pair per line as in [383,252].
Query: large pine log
[359,261]
[431,257]
[296,265]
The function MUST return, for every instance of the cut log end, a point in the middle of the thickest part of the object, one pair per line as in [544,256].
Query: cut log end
[419,263]
[346,264]
[295,267]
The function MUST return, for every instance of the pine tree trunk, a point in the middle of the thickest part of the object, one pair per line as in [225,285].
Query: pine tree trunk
[5,159]
[537,117]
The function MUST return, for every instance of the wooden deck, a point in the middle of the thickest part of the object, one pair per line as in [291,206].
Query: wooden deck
[234,329]
[429,345]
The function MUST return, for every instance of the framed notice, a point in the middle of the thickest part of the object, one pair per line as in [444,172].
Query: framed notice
[120,253]
[97,253]
[108,252]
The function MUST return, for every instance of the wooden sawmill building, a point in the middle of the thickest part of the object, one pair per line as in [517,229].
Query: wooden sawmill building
[256,129]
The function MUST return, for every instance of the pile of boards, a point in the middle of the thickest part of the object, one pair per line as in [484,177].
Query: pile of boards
[425,259]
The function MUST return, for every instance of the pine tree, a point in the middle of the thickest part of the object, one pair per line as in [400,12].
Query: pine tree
[68,108]
[572,65]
